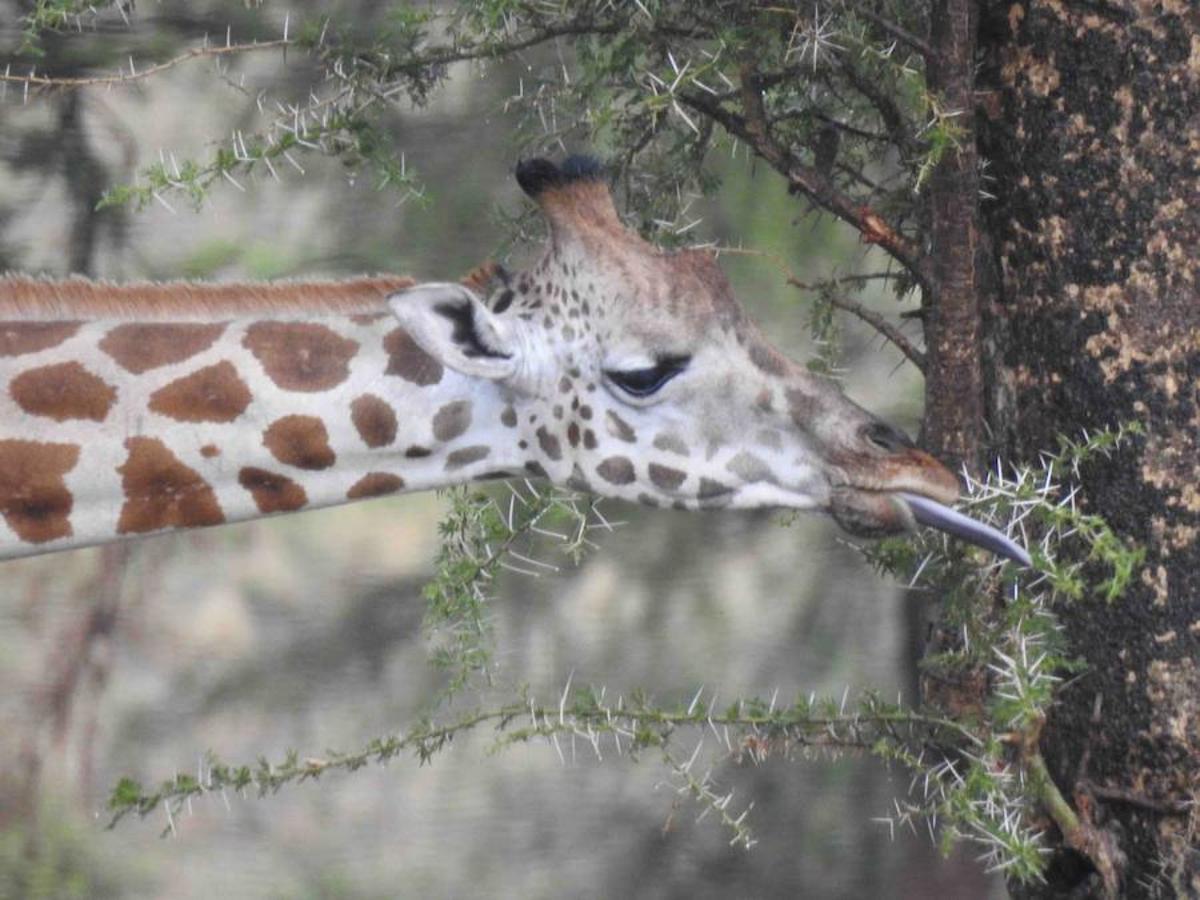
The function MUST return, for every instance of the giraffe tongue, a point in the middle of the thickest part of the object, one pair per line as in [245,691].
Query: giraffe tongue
[931,513]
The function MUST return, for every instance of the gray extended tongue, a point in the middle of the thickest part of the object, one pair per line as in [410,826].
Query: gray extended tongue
[931,513]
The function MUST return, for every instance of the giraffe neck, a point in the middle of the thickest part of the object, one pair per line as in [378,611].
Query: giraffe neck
[120,426]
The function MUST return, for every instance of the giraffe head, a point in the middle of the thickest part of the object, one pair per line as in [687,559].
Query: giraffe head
[633,372]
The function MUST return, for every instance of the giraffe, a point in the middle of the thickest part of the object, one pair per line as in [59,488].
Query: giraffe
[609,366]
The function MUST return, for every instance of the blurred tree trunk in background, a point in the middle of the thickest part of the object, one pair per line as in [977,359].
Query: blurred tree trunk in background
[1090,119]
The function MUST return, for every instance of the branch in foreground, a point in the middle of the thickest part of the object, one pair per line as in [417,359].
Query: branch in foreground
[32,79]
[751,728]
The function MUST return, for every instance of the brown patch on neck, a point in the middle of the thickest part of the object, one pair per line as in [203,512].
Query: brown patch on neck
[139,346]
[34,499]
[272,493]
[301,356]
[374,419]
[375,484]
[18,338]
[212,394]
[300,441]
[63,391]
[161,492]
[409,361]
[22,297]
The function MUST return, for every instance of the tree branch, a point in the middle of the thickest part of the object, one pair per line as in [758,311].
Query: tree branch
[754,131]
[880,324]
[49,81]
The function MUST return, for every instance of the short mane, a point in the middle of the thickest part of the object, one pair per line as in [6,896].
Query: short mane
[25,297]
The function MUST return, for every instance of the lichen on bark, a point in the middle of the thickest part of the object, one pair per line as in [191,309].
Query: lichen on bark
[1095,156]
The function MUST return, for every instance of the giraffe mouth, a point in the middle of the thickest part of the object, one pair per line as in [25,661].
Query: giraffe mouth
[875,513]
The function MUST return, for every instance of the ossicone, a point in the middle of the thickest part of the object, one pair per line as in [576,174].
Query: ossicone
[538,174]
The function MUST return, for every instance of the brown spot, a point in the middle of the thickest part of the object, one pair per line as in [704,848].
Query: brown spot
[213,394]
[710,489]
[671,443]
[466,456]
[647,500]
[536,469]
[63,391]
[409,361]
[616,470]
[751,468]
[509,417]
[17,338]
[300,441]
[301,356]
[573,434]
[452,420]
[208,451]
[666,477]
[272,493]
[139,347]
[161,492]
[549,443]
[586,412]
[620,429]
[34,498]
[375,420]
[589,439]
[375,484]
[767,358]
[803,407]
[415,452]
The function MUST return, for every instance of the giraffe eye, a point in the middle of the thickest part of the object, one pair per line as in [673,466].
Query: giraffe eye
[644,382]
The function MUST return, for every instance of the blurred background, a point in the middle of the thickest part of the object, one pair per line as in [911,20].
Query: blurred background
[305,632]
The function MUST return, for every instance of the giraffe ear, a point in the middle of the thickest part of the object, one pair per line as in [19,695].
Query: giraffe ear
[453,326]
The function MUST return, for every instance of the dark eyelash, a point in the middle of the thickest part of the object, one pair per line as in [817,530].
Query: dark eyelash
[644,382]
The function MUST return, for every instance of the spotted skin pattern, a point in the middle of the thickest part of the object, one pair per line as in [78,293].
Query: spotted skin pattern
[609,366]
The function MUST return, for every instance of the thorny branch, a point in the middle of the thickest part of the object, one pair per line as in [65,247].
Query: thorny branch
[874,319]
[753,129]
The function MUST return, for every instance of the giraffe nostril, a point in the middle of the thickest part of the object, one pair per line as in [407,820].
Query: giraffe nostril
[885,437]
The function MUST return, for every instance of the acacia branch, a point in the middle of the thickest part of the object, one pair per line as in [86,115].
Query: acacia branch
[752,129]
[208,51]
[882,325]
[901,34]
[879,323]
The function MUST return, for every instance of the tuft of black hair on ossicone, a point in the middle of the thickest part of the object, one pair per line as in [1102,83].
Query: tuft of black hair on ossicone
[537,175]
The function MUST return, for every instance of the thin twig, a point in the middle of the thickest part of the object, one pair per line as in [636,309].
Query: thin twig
[875,320]
[901,34]
[883,326]
[48,81]
[753,129]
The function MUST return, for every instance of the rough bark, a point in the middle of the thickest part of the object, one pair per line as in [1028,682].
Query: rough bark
[1095,147]
[953,378]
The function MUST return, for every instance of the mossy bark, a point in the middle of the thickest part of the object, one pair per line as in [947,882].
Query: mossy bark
[1089,116]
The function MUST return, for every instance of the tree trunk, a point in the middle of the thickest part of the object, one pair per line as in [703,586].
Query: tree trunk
[1093,136]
